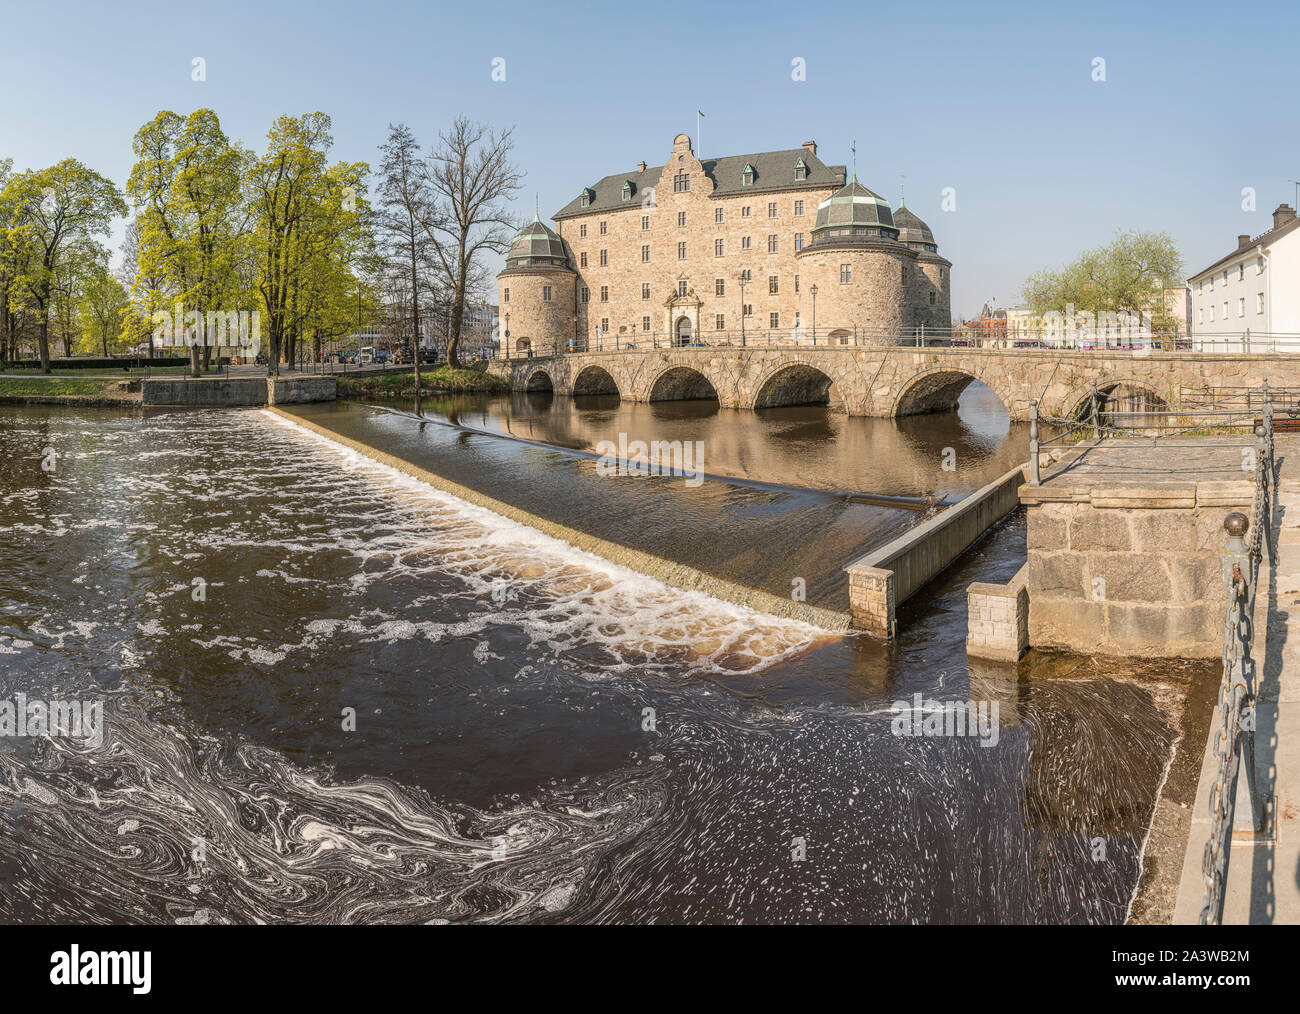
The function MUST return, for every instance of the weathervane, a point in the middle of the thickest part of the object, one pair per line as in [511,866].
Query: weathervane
[901,178]
[853,147]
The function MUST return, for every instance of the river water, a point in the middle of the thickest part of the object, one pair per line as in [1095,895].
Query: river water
[334,694]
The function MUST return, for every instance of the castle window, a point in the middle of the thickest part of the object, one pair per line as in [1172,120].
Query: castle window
[1241,271]
[586,198]
[771,209]
[772,284]
[681,287]
[747,274]
[800,170]
[681,219]
[582,230]
[744,243]
[681,251]
[645,290]
[846,274]
[773,319]
[747,177]
[932,297]
[798,209]
[717,248]
[604,293]
[546,293]
[681,182]
[717,214]
[798,241]
[602,228]
[744,212]
[719,322]
[645,323]
[645,223]
[796,283]
[941,274]
[627,191]
[582,259]
[719,287]
[604,258]
[771,244]
[645,252]
[505,295]
[904,274]
[604,325]
[747,310]
[586,294]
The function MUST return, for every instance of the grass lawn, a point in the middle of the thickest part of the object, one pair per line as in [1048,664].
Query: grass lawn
[63,387]
[135,373]
[402,385]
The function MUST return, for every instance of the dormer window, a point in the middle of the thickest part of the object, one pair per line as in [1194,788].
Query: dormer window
[587,196]
[627,190]
[747,177]
[800,170]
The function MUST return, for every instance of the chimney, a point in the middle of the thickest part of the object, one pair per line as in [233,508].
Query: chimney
[1243,240]
[811,146]
[640,166]
[1284,213]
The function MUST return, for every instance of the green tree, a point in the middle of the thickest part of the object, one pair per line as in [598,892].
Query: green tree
[1127,275]
[102,303]
[52,212]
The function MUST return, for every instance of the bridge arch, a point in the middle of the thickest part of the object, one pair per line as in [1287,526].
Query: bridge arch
[937,390]
[1118,394]
[797,382]
[682,383]
[539,380]
[593,379]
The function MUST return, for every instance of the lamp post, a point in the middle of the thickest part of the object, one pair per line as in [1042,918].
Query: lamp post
[742,309]
[813,290]
[507,334]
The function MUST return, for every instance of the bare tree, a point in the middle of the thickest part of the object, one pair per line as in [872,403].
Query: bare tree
[470,178]
[405,205]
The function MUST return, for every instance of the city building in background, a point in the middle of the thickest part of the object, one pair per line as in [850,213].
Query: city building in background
[1252,291]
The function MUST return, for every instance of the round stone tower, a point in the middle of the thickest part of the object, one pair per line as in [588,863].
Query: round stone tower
[862,272]
[537,291]
[930,298]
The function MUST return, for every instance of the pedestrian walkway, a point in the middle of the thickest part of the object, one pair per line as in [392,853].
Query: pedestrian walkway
[1263,879]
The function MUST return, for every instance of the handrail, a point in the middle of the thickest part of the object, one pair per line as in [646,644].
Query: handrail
[1234,743]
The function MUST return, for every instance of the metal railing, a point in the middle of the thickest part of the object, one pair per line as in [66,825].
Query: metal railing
[859,336]
[1234,742]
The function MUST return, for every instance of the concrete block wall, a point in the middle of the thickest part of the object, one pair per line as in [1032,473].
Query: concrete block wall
[1131,571]
[997,618]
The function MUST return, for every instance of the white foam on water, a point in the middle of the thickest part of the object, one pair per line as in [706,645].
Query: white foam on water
[589,600]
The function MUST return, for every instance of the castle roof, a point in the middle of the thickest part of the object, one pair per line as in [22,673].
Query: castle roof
[772,171]
[912,231]
[537,246]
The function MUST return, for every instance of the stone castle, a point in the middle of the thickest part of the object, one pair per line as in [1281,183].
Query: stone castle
[682,253]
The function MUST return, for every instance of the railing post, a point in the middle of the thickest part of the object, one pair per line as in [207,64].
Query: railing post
[1096,429]
[1033,443]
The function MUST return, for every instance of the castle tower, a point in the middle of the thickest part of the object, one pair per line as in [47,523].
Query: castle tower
[930,296]
[537,290]
[862,272]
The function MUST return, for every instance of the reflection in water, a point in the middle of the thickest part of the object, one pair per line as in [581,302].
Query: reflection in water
[502,767]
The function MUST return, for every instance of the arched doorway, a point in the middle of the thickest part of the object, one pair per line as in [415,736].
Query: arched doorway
[683,330]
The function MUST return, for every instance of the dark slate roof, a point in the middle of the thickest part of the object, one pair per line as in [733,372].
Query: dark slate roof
[1263,238]
[911,229]
[773,171]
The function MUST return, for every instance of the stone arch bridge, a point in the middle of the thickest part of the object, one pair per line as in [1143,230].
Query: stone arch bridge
[892,381]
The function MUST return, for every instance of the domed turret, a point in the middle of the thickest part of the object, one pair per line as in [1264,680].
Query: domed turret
[913,232]
[853,212]
[536,246]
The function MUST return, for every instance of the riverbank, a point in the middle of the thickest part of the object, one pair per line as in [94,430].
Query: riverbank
[441,380]
[47,390]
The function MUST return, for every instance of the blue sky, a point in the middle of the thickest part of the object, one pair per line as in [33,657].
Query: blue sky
[994,100]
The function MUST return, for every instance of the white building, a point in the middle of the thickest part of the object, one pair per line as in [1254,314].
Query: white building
[1251,297]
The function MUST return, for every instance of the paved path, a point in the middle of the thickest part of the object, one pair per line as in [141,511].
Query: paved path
[1263,884]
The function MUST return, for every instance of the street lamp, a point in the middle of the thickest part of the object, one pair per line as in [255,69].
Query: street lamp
[813,290]
[507,334]
[742,309]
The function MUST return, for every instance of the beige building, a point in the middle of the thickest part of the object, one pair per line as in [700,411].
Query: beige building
[747,248]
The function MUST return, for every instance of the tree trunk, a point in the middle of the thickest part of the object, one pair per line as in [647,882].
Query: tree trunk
[43,343]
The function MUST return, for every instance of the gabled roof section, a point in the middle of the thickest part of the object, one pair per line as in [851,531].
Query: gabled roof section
[1263,239]
[773,172]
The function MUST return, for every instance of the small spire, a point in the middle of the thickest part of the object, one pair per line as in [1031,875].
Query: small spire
[537,207]
[854,148]
[901,177]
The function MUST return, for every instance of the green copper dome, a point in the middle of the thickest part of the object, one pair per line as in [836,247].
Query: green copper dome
[537,246]
[853,212]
